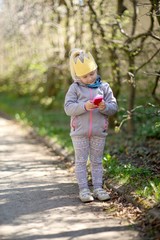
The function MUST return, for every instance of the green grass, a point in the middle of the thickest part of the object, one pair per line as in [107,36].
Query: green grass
[150,188]
[139,179]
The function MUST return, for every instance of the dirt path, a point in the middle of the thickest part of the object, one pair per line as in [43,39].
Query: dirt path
[38,199]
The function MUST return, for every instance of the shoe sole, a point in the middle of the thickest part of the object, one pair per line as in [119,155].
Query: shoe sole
[86,201]
[108,198]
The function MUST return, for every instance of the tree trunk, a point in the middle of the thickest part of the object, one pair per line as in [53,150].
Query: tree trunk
[66,36]
[132,95]
[156,6]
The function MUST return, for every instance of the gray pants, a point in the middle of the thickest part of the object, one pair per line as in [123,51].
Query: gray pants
[93,148]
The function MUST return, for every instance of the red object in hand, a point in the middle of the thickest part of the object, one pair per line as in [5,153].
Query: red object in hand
[97,100]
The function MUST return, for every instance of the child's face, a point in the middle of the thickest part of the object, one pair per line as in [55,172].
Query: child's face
[89,78]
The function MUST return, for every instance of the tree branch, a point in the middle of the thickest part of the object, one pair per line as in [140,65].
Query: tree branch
[96,20]
[155,87]
[154,36]
[149,60]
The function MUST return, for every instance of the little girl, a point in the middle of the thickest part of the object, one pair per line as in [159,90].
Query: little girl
[89,121]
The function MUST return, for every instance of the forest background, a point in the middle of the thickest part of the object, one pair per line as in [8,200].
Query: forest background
[124,38]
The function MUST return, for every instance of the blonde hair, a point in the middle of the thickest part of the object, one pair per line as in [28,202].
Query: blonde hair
[75,55]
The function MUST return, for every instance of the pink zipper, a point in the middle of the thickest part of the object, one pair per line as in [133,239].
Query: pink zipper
[90,116]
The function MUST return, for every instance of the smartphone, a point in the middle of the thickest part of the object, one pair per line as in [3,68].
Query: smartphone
[97,99]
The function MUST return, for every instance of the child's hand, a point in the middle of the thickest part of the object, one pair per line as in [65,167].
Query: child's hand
[102,105]
[89,106]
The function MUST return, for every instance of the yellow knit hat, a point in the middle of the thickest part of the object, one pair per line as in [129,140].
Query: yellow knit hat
[81,63]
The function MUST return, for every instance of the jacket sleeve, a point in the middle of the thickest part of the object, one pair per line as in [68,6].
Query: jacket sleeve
[71,106]
[111,103]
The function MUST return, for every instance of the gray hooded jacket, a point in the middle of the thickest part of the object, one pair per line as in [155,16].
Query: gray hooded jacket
[89,123]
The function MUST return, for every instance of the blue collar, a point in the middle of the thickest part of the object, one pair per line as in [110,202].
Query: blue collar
[96,84]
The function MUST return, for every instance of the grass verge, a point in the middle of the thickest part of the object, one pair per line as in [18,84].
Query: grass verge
[139,182]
